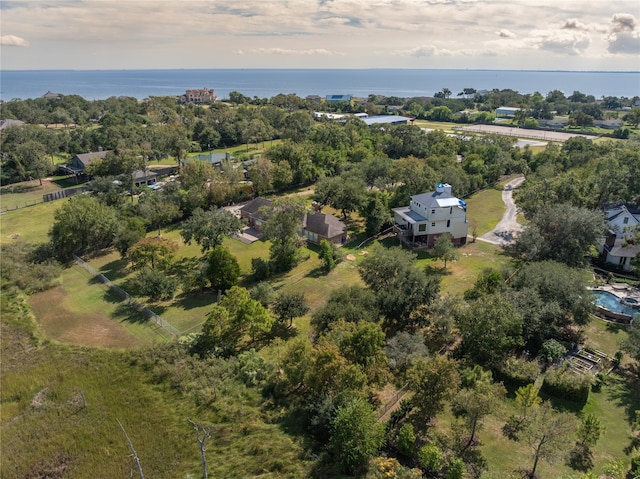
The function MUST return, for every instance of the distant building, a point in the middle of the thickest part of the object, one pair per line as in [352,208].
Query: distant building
[51,95]
[388,120]
[10,122]
[506,112]
[313,98]
[336,98]
[430,215]
[608,124]
[251,212]
[201,96]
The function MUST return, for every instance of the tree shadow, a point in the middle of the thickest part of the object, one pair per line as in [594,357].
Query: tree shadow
[125,312]
[196,300]
[431,270]
[624,389]
[282,331]
[116,269]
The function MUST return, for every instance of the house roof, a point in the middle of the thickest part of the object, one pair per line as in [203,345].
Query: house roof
[10,122]
[408,215]
[373,120]
[140,174]
[629,251]
[436,199]
[613,210]
[323,225]
[87,158]
[254,206]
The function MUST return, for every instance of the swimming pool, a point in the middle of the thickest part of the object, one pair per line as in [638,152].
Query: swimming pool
[610,301]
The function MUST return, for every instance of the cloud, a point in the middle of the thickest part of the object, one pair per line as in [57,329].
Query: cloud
[434,51]
[285,51]
[623,22]
[624,38]
[506,34]
[13,41]
[562,42]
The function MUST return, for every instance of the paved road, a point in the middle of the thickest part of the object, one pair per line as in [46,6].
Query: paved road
[505,232]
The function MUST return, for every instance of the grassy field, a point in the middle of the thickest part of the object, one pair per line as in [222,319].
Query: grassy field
[48,432]
[30,224]
[484,210]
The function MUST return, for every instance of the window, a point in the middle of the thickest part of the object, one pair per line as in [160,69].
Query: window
[433,212]
[626,220]
[422,227]
[451,210]
[433,224]
[448,223]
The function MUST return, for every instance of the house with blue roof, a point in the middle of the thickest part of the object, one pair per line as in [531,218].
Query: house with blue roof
[335,98]
[430,215]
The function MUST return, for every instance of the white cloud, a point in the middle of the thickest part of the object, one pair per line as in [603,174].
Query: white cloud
[13,41]
[624,37]
[434,51]
[284,51]
[561,42]
[506,34]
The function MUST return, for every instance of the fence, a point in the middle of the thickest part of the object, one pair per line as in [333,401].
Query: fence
[128,298]
[392,402]
[58,195]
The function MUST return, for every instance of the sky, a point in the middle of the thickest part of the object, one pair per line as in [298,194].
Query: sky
[465,34]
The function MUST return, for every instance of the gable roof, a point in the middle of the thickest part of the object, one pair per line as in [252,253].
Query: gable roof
[613,210]
[252,208]
[87,158]
[323,225]
[10,122]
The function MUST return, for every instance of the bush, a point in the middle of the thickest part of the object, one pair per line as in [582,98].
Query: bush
[154,284]
[263,293]
[406,439]
[260,269]
[431,457]
[252,368]
[563,383]
[519,372]
[552,350]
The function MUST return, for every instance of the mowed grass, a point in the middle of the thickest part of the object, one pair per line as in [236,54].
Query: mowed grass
[30,224]
[83,311]
[484,210]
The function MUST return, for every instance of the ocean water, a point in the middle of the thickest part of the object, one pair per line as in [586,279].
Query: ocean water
[265,83]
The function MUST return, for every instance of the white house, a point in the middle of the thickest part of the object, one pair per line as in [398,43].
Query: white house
[429,215]
[506,112]
[621,244]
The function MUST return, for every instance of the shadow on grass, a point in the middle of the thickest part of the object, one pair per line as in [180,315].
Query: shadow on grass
[431,270]
[624,389]
[115,269]
[125,312]
[196,300]
[282,331]
[17,189]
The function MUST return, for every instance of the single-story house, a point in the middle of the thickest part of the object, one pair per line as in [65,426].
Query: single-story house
[609,124]
[620,245]
[251,212]
[141,177]
[319,226]
[313,98]
[506,112]
[430,215]
[215,159]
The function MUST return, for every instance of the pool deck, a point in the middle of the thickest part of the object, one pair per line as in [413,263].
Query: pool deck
[622,291]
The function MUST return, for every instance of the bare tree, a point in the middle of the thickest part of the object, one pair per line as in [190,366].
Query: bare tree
[202,434]
[133,451]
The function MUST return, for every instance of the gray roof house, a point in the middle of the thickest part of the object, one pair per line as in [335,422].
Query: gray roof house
[319,226]
[10,122]
[79,162]
[251,211]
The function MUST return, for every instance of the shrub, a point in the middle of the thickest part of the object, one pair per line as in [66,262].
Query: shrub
[431,457]
[552,350]
[252,368]
[154,284]
[563,383]
[406,439]
[519,372]
[263,293]
[260,269]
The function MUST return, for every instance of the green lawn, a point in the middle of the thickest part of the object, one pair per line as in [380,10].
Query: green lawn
[28,224]
[484,210]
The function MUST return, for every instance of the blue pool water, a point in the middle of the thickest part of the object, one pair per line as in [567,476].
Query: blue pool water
[610,301]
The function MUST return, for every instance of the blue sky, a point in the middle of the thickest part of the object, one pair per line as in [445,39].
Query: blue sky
[492,34]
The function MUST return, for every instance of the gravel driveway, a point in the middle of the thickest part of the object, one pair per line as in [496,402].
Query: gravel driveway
[506,231]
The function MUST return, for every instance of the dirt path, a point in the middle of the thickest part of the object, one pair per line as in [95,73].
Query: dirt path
[505,231]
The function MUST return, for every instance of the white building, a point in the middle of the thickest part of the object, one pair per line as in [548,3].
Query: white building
[621,244]
[429,215]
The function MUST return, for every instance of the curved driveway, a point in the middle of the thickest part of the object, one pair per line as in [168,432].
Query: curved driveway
[505,231]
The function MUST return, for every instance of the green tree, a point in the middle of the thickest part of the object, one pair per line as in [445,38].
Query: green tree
[31,156]
[130,231]
[590,430]
[445,249]
[562,233]
[547,434]
[527,400]
[262,292]
[158,211]
[352,303]
[376,212]
[209,228]
[433,381]
[398,285]
[490,328]
[261,174]
[282,219]
[633,117]
[362,343]
[248,314]
[152,253]
[406,439]
[155,284]
[431,458]
[477,402]
[288,306]
[223,269]
[355,435]
[81,225]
